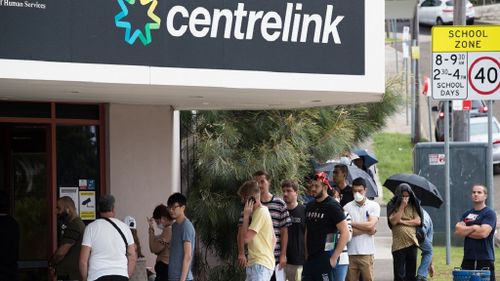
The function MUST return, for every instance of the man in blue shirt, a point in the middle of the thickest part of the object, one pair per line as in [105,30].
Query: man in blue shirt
[477,226]
[426,266]
[182,243]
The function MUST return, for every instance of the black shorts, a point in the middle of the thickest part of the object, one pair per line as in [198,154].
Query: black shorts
[318,268]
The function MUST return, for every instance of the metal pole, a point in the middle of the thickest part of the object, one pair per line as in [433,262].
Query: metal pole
[429,114]
[406,85]
[413,94]
[394,35]
[416,29]
[447,179]
[460,120]
[489,160]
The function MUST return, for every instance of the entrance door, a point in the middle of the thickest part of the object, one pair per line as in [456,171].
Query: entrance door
[24,174]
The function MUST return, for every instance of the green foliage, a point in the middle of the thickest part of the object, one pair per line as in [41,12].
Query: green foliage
[231,145]
[394,152]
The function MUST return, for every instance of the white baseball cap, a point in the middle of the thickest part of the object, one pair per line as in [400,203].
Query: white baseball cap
[130,221]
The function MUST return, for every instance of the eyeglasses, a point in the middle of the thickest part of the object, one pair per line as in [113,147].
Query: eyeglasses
[173,207]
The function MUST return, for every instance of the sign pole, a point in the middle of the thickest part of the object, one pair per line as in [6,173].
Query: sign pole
[489,159]
[447,179]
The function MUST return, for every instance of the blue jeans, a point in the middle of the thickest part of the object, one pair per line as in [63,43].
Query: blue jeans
[426,258]
[258,272]
[339,272]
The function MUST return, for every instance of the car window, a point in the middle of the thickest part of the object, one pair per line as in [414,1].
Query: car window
[426,3]
[482,128]
[449,3]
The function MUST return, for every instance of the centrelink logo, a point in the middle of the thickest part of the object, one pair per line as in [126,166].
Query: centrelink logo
[144,36]
[290,24]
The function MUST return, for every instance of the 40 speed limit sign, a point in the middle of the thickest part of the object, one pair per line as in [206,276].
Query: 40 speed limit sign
[484,75]
[466,62]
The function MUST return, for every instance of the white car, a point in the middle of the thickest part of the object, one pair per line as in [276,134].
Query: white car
[479,133]
[437,12]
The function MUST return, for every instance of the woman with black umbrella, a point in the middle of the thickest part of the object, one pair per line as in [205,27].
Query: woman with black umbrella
[404,216]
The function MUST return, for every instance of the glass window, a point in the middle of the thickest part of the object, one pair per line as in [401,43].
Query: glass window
[24,109]
[77,111]
[482,128]
[78,156]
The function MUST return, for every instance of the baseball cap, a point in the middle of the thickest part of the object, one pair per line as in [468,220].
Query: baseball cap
[130,221]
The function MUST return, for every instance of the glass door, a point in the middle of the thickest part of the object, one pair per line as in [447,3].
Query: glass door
[24,174]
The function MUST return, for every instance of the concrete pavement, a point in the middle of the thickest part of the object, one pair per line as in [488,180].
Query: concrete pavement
[383,237]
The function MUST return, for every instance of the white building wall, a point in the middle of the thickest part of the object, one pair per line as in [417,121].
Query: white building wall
[142,161]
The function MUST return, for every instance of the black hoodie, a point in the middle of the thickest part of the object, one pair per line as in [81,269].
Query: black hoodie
[396,201]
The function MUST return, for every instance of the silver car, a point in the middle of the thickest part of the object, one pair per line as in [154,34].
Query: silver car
[479,133]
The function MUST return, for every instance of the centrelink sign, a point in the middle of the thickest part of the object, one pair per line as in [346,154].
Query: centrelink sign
[316,37]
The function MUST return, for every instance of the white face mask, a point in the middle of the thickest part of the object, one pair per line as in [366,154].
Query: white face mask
[160,226]
[358,197]
[337,199]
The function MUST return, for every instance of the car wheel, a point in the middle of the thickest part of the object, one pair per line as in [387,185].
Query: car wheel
[439,21]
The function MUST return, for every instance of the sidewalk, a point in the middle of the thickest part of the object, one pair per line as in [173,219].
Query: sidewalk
[383,238]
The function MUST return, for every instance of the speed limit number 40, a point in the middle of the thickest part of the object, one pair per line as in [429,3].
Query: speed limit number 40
[484,75]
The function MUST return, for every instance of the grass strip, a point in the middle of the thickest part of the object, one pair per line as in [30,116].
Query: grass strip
[394,154]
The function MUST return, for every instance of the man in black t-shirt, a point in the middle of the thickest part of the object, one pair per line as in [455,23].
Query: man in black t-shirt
[324,218]
[295,252]
[340,172]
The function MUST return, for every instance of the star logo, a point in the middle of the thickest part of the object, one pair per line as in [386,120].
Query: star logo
[131,37]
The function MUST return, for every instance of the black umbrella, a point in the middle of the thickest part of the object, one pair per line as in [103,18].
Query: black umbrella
[426,192]
[368,157]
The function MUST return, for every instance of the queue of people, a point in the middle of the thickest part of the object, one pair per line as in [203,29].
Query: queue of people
[108,249]
[278,238]
[333,240]
[318,234]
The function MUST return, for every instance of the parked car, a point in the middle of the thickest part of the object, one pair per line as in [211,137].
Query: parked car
[437,12]
[479,133]
[478,108]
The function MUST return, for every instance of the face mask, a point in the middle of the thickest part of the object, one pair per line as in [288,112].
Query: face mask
[63,217]
[358,197]
[160,226]
[337,199]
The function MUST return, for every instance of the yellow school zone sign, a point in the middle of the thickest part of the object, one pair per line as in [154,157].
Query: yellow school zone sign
[466,38]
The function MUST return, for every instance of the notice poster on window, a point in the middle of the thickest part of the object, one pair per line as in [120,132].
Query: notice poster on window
[87,205]
[71,192]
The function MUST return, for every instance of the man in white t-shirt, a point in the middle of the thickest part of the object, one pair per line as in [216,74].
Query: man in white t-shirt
[104,255]
[365,214]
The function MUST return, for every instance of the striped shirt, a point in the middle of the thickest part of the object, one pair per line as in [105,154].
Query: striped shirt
[344,256]
[281,218]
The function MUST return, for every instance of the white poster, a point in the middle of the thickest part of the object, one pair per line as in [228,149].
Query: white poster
[71,192]
[87,205]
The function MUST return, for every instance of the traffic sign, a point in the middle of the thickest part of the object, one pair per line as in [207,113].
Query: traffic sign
[465,62]
[483,76]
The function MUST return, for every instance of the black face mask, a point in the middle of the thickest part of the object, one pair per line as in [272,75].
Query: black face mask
[62,217]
